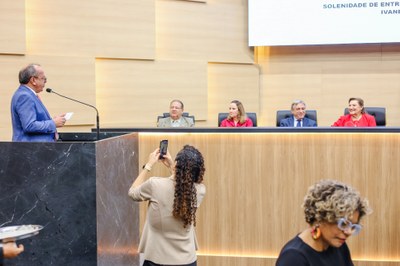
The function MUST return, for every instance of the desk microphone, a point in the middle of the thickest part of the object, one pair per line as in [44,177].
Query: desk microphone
[97,112]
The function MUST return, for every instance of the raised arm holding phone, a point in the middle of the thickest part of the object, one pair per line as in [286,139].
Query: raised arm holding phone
[168,236]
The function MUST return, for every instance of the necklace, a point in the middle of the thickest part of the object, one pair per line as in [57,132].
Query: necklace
[356,118]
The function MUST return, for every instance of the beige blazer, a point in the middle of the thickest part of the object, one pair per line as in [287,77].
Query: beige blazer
[184,122]
[164,240]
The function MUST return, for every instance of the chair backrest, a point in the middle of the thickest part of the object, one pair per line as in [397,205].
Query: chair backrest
[282,114]
[378,112]
[252,116]
[185,114]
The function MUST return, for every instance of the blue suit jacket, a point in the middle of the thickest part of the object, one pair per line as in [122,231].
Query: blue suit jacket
[30,119]
[289,122]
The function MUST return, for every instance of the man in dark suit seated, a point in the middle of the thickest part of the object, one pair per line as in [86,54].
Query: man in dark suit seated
[298,118]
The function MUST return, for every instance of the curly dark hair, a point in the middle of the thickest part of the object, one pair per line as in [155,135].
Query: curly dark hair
[189,169]
[329,200]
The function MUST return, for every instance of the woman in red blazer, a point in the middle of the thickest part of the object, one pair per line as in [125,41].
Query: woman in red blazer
[237,116]
[357,116]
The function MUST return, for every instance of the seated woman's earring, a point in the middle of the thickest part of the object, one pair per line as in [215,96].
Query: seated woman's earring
[315,232]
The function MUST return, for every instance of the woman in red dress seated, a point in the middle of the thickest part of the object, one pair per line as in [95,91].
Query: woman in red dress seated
[357,116]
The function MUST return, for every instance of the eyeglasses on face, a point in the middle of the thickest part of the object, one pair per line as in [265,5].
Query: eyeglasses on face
[42,78]
[345,225]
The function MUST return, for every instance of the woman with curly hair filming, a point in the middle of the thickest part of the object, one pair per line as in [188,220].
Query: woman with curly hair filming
[333,210]
[168,236]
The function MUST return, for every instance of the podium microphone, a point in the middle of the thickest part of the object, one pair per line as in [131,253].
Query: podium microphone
[97,112]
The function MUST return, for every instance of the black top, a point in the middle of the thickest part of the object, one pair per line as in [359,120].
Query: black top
[298,253]
[1,255]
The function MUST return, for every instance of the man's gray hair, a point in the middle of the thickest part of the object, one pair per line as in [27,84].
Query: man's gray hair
[296,102]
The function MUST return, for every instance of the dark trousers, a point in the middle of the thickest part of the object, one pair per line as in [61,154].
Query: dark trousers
[149,263]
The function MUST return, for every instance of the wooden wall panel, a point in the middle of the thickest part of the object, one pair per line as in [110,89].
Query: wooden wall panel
[227,82]
[256,184]
[211,260]
[391,51]
[337,89]
[12,30]
[105,28]
[216,31]
[133,93]
[187,32]
[9,65]
[279,91]
[73,77]
[208,260]
[200,1]
[325,77]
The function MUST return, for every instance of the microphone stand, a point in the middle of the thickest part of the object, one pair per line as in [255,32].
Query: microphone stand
[97,112]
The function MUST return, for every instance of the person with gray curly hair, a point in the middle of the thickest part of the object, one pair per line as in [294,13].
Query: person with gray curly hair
[333,211]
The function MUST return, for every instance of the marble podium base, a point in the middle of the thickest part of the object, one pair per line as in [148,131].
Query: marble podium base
[78,192]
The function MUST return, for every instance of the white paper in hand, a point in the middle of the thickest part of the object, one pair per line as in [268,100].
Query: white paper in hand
[68,115]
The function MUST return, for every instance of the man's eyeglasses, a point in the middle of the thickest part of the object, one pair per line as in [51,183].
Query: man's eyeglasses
[345,225]
[42,78]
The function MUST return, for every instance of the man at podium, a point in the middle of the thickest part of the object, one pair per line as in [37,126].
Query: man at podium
[30,119]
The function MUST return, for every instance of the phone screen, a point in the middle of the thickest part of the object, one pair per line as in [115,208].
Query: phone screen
[163,148]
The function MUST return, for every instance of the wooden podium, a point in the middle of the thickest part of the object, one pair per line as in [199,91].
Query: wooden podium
[78,190]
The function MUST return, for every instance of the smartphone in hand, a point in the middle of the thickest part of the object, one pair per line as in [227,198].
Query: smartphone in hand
[163,148]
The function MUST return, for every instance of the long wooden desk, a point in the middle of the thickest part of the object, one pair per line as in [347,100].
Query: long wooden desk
[256,180]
